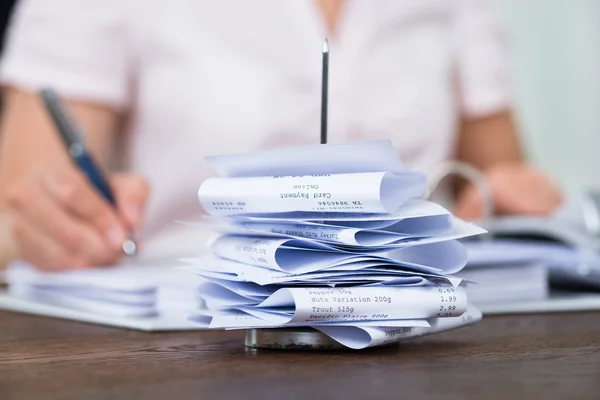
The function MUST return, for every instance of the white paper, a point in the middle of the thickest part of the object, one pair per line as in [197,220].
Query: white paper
[119,292]
[221,294]
[109,308]
[426,212]
[499,252]
[161,322]
[496,284]
[114,279]
[333,158]
[569,267]
[459,230]
[303,256]
[555,302]
[555,255]
[241,320]
[378,233]
[305,305]
[360,337]
[327,233]
[213,268]
[218,297]
[247,289]
[118,297]
[372,303]
[373,192]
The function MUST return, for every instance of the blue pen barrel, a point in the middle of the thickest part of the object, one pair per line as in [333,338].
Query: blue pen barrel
[88,166]
[73,140]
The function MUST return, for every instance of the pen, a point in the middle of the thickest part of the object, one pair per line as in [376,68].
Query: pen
[324,91]
[73,140]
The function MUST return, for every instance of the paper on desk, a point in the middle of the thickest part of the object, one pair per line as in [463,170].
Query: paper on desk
[94,306]
[360,337]
[555,255]
[555,302]
[372,192]
[124,291]
[162,322]
[117,297]
[504,283]
[500,252]
[568,266]
[111,279]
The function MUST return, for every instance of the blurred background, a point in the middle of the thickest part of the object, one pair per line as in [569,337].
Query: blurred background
[556,83]
[556,78]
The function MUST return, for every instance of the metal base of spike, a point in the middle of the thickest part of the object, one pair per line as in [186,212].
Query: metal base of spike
[290,339]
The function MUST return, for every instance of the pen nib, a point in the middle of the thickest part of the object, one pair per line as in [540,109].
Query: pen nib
[129,247]
[325,46]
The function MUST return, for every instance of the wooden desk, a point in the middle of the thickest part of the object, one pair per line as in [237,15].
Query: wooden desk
[541,356]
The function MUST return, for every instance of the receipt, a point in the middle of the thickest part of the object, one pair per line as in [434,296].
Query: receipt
[302,256]
[357,273]
[332,238]
[368,303]
[336,234]
[221,294]
[350,334]
[411,218]
[235,319]
[360,337]
[298,304]
[371,192]
[332,158]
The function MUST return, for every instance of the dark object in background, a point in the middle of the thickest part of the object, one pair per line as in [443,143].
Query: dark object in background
[6,7]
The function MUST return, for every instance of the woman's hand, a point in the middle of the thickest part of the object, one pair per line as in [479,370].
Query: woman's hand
[516,188]
[60,221]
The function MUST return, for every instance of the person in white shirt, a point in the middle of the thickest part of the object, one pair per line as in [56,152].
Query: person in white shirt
[157,85]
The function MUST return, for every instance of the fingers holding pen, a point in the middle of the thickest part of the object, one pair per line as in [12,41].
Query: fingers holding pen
[132,192]
[76,195]
[68,212]
[60,223]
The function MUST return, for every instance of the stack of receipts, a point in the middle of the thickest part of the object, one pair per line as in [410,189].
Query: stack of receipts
[335,237]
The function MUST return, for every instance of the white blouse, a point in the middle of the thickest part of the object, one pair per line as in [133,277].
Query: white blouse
[202,77]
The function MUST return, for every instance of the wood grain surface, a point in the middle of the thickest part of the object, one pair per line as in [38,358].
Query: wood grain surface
[553,356]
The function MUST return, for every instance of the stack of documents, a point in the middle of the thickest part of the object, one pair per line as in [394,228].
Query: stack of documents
[140,297]
[334,237]
[524,275]
[498,274]
[538,263]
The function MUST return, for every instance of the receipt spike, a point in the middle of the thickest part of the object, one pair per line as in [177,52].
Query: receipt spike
[324,91]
